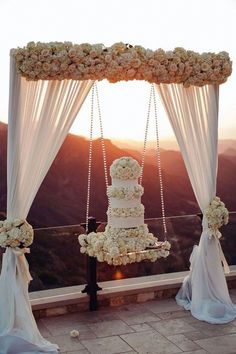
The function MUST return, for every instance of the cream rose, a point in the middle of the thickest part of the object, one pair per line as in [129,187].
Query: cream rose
[16,233]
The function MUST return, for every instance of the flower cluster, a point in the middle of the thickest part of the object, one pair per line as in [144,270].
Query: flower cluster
[59,61]
[117,232]
[16,233]
[126,193]
[125,168]
[126,212]
[217,215]
[74,333]
[122,251]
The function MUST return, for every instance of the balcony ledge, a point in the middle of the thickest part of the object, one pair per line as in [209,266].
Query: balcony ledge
[60,301]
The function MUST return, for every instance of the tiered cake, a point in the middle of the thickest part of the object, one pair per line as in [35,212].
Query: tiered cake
[126,238]
[125,211]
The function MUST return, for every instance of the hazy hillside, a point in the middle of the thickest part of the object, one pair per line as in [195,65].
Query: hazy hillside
[224,145]
[61,199]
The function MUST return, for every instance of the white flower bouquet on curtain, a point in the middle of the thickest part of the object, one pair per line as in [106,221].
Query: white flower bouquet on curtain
[217,215]
[16,233]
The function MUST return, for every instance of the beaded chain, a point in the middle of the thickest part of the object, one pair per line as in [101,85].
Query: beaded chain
[102,136]
[95,90]
[145,136]
[159,166]
[90,160]
[153,97]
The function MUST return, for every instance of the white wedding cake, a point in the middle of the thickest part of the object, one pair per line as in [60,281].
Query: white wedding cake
[126,236]
[125,211]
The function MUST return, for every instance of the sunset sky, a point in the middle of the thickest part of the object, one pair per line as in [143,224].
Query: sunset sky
[199,25]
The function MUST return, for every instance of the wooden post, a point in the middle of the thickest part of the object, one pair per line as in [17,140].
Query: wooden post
[92,287]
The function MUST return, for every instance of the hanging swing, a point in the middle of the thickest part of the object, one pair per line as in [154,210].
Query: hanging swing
[126,238]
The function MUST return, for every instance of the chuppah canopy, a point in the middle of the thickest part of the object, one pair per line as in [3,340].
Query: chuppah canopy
[48,85]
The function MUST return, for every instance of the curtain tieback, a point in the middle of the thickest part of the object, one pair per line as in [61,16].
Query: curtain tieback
[24,266]
[217,235]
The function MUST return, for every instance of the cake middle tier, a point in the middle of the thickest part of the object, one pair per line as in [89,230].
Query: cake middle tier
[126,217]
[115,203]
[125,223]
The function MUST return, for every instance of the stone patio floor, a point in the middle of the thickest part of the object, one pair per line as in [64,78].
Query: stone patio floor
[154,327]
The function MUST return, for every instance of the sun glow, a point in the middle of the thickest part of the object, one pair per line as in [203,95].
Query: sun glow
[118,275]
[124,108]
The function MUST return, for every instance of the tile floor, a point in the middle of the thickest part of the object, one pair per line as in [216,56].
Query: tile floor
[155,327]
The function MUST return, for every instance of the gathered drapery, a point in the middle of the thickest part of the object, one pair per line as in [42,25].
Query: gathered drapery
[40,116]
[193,114]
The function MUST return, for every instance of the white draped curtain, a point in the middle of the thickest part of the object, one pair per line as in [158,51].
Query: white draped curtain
[40,116]
[193,113]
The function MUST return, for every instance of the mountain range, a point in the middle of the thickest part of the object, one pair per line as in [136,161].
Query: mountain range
[225,146]
[61,199]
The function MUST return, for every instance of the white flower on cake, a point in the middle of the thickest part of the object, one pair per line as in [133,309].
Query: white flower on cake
[140,231]
[16,233]
[125,168]
[217,215]
[126,212]
[126,193]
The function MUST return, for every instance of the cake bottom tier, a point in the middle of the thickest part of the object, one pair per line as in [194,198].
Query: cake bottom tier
[123,250]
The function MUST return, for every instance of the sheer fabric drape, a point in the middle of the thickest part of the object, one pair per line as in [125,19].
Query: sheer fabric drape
[193,113]
[40,116]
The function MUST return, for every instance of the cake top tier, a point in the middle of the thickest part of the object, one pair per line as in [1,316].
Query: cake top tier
[125,168]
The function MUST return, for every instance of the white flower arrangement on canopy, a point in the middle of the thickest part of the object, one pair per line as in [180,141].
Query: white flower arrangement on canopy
[48,85]
[60,61]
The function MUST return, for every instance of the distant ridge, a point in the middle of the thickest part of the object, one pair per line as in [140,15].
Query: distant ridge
[224,145]
[61,199]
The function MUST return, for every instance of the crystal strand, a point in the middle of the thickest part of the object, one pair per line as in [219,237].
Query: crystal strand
[159,166]
[102,137]
[90,159]
[103,147]
[145,137]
